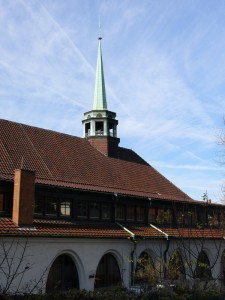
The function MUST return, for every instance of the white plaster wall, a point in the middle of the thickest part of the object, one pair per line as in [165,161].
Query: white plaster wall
[86,253]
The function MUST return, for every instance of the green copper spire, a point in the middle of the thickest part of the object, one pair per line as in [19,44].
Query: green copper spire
[100,102]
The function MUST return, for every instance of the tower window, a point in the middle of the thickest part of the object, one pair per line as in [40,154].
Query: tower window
[111,129]
[87,129]
[99,128]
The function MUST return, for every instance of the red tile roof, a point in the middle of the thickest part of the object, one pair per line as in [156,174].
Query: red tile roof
[52,228]
[67,161]
[210,233]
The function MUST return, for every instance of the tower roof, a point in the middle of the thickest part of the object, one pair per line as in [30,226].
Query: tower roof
[100,102]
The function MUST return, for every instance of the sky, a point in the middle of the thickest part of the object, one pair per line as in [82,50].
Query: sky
[164,65]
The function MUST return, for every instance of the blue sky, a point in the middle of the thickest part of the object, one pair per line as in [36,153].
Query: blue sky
[164,64]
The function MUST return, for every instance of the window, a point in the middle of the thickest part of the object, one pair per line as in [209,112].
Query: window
[39,205]
[120,212]
[87,129]
[82,209]
[145,273]
[176,268]
[130,213]
[63,275]
[51,206]
[203,269]
[94,210]
[99,128]
[107,273]
[106,211]
[65,208]
[140,214]
[152,214]
[2,204]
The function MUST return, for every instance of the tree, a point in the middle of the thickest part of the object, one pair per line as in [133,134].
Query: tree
[14,264]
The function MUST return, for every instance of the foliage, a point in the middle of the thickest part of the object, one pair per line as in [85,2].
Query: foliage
[122,294]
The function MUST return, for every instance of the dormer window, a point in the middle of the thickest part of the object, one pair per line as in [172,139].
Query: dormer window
[2,203]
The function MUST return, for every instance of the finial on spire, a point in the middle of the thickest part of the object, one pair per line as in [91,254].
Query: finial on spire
[99,28]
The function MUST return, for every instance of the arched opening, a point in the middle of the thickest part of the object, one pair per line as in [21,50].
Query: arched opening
[223,268]
[145,273]
[108,272]
[203,270]
[63,275]
[176,269]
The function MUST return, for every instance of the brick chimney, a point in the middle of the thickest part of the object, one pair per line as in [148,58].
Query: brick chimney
[23,197]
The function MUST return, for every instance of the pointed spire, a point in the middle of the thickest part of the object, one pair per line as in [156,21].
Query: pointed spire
[100,102]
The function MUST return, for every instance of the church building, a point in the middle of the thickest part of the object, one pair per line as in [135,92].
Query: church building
[81,212]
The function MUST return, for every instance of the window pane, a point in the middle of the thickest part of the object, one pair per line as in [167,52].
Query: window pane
[94,210]
[65,208]
[39,205]
[120,212]
[130,213]
[106,211]
[2,208]
[51,206]
[82,209]
[140,213]
[152,214]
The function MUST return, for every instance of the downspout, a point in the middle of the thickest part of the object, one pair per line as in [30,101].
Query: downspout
[166,250]
[134,241]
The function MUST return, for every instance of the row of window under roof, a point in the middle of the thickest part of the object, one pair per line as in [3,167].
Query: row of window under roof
[82,210]
[54,207]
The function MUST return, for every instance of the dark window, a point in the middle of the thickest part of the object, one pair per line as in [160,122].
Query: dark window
[106,211]
[140,214]
[51,206]
[39,205]
[99,128]
[223,268]
[63,275]
[152,215]
[203,270]
[2,203]
[87,129]
[94,210]
[130,213]
[120,212]
[176,269]
[145,273]
[82,209]
[108,272]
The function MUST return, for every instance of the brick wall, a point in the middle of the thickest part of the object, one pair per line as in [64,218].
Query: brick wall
[23,197]
[106,145]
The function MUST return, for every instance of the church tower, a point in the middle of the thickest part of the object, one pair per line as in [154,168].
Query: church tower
[100,124]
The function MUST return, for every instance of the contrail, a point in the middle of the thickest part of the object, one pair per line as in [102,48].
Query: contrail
[62,31]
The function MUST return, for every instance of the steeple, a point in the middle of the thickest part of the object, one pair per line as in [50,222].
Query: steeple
[100,124]
[99,93]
